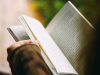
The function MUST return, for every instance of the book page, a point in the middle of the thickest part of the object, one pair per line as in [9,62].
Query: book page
[18,33]
[71,32]
[52,51]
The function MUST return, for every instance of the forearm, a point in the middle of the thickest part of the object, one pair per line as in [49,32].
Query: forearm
[27,60]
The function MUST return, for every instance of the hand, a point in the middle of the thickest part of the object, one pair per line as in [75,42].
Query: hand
[11,48]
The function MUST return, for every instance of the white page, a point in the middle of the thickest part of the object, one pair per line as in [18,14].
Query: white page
[18,33]
[71,32]
[32,37]
[59,61]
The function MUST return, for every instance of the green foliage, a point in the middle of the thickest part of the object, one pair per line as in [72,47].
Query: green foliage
[89,8]
[48,8]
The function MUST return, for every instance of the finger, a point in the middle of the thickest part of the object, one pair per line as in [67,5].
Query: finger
[24,42]
[35,42]
[17,44]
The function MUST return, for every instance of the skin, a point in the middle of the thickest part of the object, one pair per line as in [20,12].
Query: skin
[11,48]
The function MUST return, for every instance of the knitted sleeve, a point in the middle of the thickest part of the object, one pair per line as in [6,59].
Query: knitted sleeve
[27,60]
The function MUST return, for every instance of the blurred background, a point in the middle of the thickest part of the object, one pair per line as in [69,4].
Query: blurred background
[44,11]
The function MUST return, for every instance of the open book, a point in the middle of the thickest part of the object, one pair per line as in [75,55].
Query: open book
[62,40]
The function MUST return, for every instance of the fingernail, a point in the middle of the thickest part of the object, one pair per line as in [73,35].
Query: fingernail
[36,42]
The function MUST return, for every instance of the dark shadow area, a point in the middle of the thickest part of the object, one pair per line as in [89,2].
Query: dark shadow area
[4,74]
